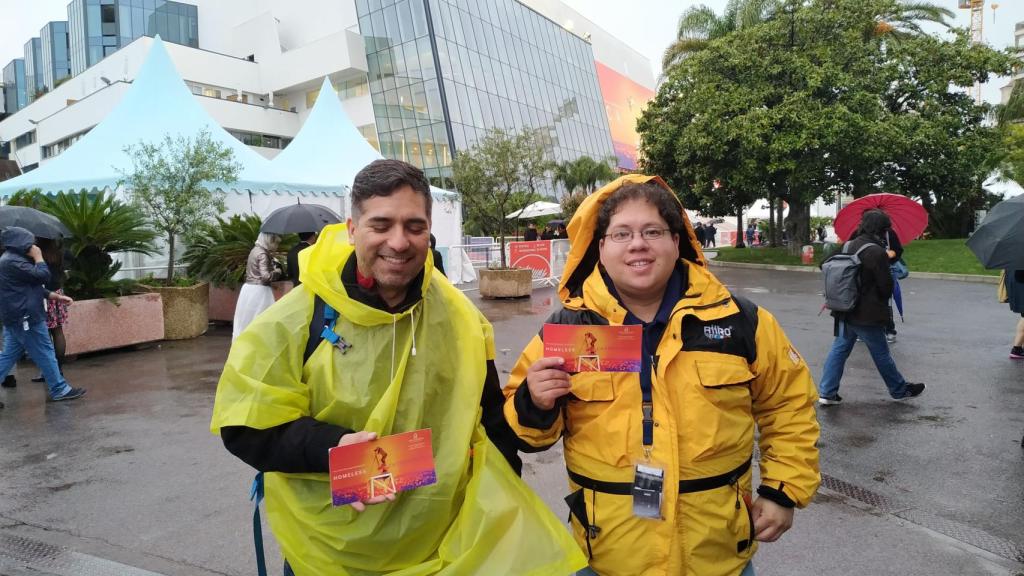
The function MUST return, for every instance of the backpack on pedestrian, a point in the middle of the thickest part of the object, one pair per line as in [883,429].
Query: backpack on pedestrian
[841,278]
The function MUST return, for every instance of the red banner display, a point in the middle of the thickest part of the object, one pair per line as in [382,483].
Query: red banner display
[533,255]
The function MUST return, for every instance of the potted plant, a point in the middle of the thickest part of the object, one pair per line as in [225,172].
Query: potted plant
[496,177]
[217,253]
[107,313]
[173,182]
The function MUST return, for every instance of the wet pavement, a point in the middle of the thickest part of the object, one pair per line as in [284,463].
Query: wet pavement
[130,479]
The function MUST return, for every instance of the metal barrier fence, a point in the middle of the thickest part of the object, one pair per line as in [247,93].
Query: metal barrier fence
[463,260]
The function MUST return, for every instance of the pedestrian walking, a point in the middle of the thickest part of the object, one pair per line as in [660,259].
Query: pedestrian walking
[710,233]
[894,250]
[306,239]
[23,273]
[1014,283]
[55,257]
[869,317]
[390,350]
[750,234]
[677,435]
[256,295]
[699,232]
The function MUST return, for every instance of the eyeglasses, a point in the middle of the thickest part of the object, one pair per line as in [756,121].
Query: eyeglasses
[649,234]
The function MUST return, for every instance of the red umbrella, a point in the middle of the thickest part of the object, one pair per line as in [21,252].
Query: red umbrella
[909,219]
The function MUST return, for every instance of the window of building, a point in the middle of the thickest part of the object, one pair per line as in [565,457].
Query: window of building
[25,139]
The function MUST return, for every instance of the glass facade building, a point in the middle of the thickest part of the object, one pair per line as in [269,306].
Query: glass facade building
[56,57]
[98,28]
[443,72]
[14,86]
[33,68]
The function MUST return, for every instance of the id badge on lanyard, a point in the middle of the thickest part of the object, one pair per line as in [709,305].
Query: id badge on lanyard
[648,489]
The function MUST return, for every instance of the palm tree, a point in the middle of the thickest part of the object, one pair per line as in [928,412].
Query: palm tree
[699,25]
[585,173]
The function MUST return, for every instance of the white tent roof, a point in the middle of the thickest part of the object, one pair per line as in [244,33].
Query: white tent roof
[329,151]
[158,104]
[537,209]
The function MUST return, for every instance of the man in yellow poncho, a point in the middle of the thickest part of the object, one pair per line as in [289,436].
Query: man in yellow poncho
[409,352]
[659,461]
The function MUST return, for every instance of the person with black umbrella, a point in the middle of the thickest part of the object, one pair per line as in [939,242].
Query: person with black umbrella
[23,273]
[1014,283]
[256,295]
[306,239]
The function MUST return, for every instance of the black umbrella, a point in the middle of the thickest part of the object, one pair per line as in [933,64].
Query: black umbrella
[39,223]
[999,241]
[299,218]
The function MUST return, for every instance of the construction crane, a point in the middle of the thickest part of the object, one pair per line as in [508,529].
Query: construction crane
[977,8]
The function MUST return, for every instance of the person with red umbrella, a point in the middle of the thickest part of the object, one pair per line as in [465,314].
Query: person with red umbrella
[867,320]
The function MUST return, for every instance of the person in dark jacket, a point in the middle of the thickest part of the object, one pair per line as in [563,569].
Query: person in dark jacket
[531,232]
[438,258]
[23,273]
[893,249]
[869,317]
[1015,298]
[306,239]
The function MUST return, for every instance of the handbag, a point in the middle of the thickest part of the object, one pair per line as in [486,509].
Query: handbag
[1001,294]
[899,269]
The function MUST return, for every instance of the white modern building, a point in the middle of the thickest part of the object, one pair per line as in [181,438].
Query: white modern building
[1018,44]
[419,78]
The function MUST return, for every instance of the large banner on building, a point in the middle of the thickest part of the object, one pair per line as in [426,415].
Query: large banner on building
[533,255]
[624,100]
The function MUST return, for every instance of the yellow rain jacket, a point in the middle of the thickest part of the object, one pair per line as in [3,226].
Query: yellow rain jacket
[479,518]
[708,393]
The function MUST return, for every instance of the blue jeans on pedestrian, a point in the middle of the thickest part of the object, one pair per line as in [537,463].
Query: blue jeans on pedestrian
[748,570]
[874,338]
[36,342]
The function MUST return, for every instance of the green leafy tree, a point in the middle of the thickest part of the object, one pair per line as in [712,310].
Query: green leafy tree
[171,182]
[808,105]
[498,176]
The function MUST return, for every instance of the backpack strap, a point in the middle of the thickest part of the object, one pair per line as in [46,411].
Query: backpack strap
[316,328]
[256,496]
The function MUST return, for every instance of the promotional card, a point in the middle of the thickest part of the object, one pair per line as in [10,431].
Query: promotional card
[594,348]
[387,465]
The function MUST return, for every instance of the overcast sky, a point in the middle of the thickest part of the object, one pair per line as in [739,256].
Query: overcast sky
[647,25]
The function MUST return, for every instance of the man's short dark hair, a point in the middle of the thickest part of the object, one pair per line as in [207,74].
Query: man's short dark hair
[665,202]
[383,178]
[305,236]
[874,222]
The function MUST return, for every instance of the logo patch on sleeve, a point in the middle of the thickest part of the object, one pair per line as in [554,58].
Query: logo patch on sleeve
[794,356]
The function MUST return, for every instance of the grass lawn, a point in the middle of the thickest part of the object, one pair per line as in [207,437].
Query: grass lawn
[947,256]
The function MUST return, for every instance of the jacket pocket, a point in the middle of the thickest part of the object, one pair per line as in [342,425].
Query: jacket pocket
[723,402]
[595,424]
[593,387]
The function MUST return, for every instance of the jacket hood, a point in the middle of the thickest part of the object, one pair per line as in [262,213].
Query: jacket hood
[18,240]
[320,271]
[583,246]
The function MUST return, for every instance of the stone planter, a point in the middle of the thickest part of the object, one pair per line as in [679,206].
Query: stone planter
[515,283]
[223,300]
[186,310]
[101,324]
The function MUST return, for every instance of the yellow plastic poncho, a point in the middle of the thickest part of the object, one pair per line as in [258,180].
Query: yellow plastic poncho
[479,518]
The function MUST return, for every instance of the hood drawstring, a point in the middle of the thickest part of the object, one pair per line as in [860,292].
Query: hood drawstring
[412,315]
[394,337]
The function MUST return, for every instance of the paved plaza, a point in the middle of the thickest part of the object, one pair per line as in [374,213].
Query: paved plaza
[129,481]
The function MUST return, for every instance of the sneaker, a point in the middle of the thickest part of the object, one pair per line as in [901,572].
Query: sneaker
[72,394]
[39,378]
[914,389]
[890,337]
[9,382]
[830,400]
[1017,352]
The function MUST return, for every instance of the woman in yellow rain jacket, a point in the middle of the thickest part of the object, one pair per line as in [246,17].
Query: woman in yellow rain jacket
[411,352]
[659,461]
